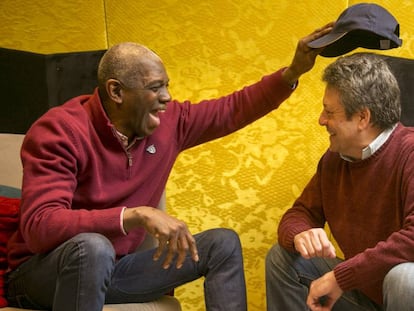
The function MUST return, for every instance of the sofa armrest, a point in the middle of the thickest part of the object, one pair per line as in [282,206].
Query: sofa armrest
[11,172]
[166,303]
[10,166]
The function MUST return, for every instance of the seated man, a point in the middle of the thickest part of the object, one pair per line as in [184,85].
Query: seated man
[364,190]
[95,168]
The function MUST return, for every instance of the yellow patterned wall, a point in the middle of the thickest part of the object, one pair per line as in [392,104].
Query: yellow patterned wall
[53,26]
[244,181]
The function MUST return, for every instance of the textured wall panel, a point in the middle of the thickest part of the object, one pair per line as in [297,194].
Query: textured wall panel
[247,180]
[52,26]
[244,181]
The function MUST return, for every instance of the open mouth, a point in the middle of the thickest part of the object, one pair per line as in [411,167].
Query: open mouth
[154,117]
[156,112]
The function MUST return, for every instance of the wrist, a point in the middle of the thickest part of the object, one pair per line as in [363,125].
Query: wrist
[132,218]
[290,77]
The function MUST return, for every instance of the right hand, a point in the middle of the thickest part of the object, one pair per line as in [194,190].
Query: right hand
[172,234]
[314,243]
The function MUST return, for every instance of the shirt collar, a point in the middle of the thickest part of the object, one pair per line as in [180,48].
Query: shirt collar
[124,139]
[374,145]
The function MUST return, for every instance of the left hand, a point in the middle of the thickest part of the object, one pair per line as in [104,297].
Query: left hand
[305,56]
[323,293]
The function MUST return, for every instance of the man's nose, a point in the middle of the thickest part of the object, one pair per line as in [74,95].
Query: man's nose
[164,94]
[322,119]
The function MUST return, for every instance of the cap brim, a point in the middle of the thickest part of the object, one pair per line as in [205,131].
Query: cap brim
[326,40]
[352,40]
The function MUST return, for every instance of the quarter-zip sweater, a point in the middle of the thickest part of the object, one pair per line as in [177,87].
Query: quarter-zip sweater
[369,206]
[78,177]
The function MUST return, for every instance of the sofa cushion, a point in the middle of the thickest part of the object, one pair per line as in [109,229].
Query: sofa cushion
[10,192]
[9,210]
[10,180]
[166,303]
[11,170]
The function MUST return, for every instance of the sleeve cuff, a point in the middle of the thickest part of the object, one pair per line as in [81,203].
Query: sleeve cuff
[121,221]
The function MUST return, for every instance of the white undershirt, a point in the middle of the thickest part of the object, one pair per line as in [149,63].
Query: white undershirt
[374,145]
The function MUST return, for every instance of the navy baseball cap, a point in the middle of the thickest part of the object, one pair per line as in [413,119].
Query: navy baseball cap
[366,25]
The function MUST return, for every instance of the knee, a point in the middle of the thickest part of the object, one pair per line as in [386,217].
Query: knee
[279,260]
[274,256]
[398,285]
[400,277]
[93,247]
[272,253]
[226,241]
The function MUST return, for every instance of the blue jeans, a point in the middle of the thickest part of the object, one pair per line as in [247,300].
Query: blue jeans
[82,274]
[288,277]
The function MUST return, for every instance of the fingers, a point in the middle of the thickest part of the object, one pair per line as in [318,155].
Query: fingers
[175,241]
[172,247]
[323,292]
[316,34]
[314,243]
[324,29]
[319,303]
[176,244]
[185,246]
[162,245]
[305,56]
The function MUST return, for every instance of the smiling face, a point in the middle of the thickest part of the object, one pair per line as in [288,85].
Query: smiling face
[344,133]
[143,103]
[133,87]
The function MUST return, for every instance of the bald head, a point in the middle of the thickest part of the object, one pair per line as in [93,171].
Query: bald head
[125,62]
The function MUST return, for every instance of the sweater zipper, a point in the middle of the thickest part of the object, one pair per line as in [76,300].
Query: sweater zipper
[126,149]
[129,163]
[129,159]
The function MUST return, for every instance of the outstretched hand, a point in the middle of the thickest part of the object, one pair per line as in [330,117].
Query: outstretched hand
[172,234]
[305,56]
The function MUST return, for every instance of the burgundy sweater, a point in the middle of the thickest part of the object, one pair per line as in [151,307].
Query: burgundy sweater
[369,206]
[77,176]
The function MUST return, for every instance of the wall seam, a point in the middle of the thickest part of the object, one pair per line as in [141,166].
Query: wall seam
[106,24]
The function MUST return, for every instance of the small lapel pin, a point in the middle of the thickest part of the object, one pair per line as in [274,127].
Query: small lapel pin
[151,149]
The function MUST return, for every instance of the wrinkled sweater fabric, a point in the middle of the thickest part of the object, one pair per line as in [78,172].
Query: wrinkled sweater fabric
[78,176]
[369,206]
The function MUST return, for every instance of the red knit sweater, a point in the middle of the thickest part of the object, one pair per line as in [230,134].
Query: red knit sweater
[369,206]
[78,176]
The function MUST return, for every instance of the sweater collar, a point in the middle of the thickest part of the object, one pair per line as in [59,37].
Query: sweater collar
[374,145]
[101,122]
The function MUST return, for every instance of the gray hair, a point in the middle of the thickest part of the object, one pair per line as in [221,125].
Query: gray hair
[364,80]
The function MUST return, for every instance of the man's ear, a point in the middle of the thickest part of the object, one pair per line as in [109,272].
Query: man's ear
[114,90]
[364,116]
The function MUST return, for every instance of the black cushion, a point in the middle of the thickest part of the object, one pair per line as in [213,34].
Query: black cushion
[403,69]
